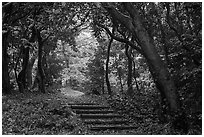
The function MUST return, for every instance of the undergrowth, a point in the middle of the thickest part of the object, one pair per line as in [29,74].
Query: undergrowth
[143,110]
[36,113]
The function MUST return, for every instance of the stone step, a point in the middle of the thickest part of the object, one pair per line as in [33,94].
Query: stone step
[88,107]
[70,104]
[119,121]
[114,127]
[100,116]
[92,111]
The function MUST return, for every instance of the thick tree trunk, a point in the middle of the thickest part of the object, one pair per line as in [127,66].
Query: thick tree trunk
[21,80]
[157,68]
[7,9]
[40,75]
[5,74]
[107,70]
[129,79]
[160,74]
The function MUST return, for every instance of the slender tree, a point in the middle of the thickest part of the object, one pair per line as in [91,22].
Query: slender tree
[41,74]
[129,78]
[107,69]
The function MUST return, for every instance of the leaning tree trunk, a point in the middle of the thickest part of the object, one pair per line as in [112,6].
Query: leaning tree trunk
[157,68]
[129,79]
[159,71]
[107,70]
[40,73]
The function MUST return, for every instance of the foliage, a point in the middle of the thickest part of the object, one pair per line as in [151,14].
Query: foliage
[74,55]
[52,71]
[143,109]
[35,113]
[96,70]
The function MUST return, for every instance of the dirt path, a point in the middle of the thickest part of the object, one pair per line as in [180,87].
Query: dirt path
[70,92]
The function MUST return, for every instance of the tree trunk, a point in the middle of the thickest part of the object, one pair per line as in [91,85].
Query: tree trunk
[129,79]
[7,9]
[119,72]
[102,80]
[160,74]
[135,75]
[34,85]
[5,74]
[29,71]
[21,80]
[107,70]
[157,68]
[40,75]
[120,78]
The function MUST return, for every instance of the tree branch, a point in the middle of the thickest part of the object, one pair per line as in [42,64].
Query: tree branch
[119,39]
[21,17]
[117,15]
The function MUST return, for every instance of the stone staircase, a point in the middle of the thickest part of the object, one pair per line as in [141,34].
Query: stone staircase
[99,117]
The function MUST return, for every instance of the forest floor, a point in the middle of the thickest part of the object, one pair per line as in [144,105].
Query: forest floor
[34,113]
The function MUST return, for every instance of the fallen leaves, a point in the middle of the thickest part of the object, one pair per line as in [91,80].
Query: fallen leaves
[36,114]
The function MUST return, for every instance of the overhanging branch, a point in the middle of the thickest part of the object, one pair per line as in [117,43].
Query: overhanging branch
[119,39]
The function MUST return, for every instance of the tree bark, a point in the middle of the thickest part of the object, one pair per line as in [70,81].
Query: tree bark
[160,74]
[157,68]
[129,79]
[5,74]
[7,10]
[107,70]
[135,75]
[29,71]
[102,80]
[120,77]
[40,75]
[21,80]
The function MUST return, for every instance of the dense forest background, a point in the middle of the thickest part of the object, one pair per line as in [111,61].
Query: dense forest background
[145,58]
